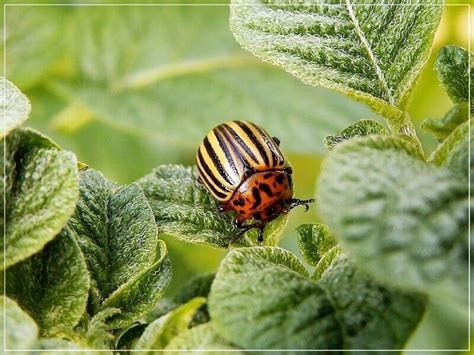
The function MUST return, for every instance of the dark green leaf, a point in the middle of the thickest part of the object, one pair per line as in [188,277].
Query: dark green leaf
[262,298]
[372,53]
[52,285]
[184,209]
[441,128]
[118,236]
[404,221]
[358,129]
[41,192]
[452,66]
[198,286]
[315,240]
[14,107]
[160,332]
[139,294]
[17,329]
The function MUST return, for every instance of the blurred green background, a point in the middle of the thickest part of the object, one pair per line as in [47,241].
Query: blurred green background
[129,88]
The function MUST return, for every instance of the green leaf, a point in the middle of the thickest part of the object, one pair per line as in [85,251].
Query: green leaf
[162,87]
[41,191]
[370,51]
[35,41]
[52,285]
[442,128]
[185,210]
[372,317]
[139,294]
[452,65]
[314,240]
[159,333]
[17,329]
[52,346]
[453,153]
[198,286]
[404,221]
[203,337]
[14,107]
[262,298]
[357,129]
[118,236]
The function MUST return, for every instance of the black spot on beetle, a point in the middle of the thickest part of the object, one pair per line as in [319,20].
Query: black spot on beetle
[265,188]
[239,202]
[241,211]
[280,179]
[257,216]
[257,197]
[267,175]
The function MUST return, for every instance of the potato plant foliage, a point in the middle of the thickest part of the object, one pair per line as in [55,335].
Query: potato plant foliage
[84,263]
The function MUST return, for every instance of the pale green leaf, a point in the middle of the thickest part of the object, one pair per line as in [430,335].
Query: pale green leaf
[262,299]
[118,236]
[314,240]
[52,285]
[452,65]
[357,129]
[203,337]
[14,107]
[370,51]
[372,317]
[325,262]
[160,332]
[441,128]
[453,153]
[184,209]
[17,329]
[176,91]
[53,346]
[34,42]
[41,192]
[404,221]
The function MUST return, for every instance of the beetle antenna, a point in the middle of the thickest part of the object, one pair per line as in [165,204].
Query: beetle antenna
[297,202]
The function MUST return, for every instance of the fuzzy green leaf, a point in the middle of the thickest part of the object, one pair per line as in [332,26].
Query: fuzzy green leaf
[441,128]
[159,333]
[372,317]
[357,129]
[52,285]
[370,51]
[118,236]
[184,209]
[203,337]
[315,240]
[41,191]
[17,329]
[138,295]
[452,65]
[262,298]
[14,107]
[453,153]
[404,221]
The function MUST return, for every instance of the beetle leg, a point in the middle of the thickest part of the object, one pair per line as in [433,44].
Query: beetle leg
[245,228]
[276,140]
[297,202]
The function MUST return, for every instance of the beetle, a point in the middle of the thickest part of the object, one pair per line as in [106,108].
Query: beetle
[243,168]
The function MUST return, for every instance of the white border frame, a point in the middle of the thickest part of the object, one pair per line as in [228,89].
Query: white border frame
[470,39]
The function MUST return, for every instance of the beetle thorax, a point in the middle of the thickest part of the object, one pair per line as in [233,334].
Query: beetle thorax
[262,195]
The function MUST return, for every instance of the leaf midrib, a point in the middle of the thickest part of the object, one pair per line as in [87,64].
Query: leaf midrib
[373,58]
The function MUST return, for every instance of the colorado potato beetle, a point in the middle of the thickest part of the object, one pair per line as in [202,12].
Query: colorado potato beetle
[243,167]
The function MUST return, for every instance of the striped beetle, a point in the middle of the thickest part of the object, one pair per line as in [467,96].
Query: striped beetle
[244,169]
